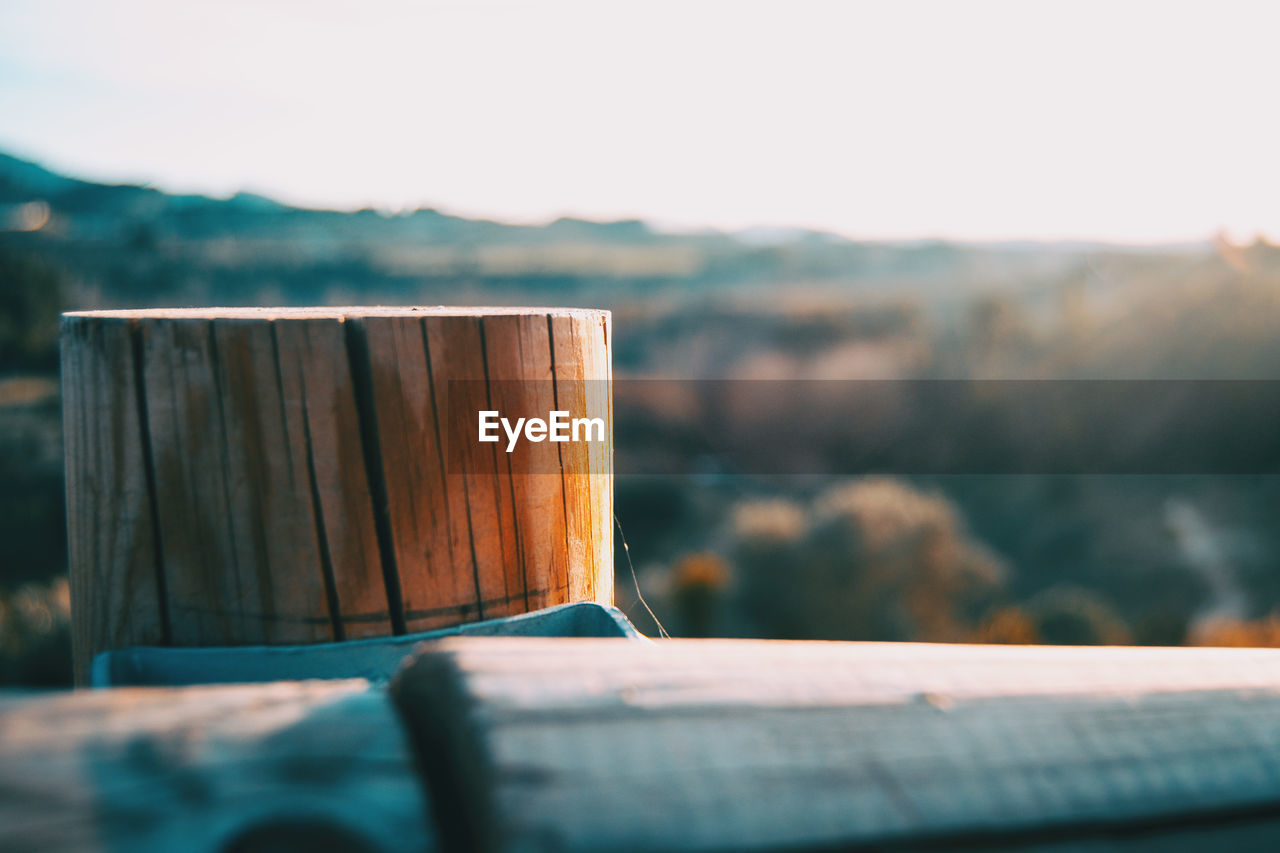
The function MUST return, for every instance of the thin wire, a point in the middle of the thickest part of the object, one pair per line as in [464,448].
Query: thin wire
[626,549]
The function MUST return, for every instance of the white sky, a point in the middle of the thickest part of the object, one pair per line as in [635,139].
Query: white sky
[1114,120]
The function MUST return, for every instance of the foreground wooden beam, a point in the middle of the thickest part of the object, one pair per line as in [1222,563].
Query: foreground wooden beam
[604,745]
[596,745]
[275,767]
[287,476]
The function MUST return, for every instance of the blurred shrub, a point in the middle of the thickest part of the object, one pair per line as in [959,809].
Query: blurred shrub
[1000,336]
[871,559]
[769,522]
[698,585]
[31,296]
[32,496]
[1257,633]
[35,635]
[1072,616]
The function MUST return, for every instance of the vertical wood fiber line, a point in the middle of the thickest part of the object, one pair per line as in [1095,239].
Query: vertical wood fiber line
[564,489]
[248,538]
[322,369]
[317,506]
[74,431]
[606,323]
[475,562]
[574,367]
[444,472]
[367,418]
[149,474]
[511,484]
[231,515]
[580,360]
[497,496]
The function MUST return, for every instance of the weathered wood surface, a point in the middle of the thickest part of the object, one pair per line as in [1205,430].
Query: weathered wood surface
[604,745]
[112,540]
[742,745]
[285,476]
[278,767]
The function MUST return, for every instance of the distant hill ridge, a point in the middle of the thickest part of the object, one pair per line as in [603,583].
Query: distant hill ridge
[134,245]
[201,216]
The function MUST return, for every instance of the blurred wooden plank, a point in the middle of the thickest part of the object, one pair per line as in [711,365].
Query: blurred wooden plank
[743,745]
[283,766]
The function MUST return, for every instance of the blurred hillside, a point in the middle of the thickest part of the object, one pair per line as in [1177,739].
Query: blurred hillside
[1028,558]
[129,245]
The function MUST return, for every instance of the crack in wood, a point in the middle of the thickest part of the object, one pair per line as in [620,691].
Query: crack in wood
[367,418]
[149,474]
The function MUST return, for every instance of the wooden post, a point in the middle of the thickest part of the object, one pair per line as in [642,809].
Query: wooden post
[268,476]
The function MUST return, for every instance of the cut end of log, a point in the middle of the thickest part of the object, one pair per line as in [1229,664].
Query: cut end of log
[251,476]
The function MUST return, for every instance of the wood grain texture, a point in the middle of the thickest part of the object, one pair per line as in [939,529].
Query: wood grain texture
[518,355]
[579,368]
[111,531]
[743,745]
[285,766]
[461,388]
[287,476]
[340,501]
[436,584]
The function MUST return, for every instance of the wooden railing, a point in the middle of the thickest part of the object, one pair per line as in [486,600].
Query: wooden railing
[604,745]
[281,477]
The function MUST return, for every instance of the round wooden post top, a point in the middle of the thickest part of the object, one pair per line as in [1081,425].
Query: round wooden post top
[241,476]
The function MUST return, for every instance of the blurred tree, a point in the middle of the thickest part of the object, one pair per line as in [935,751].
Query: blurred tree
[30,299]
[698,584]
[32,512]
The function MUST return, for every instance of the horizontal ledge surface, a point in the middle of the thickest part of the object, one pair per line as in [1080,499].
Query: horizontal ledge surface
[331,312]
[781,673]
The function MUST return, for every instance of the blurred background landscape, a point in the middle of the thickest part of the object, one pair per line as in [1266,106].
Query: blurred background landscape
[817,190]
[1149,559]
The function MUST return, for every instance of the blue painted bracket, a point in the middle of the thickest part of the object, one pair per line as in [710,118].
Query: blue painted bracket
[375,659]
